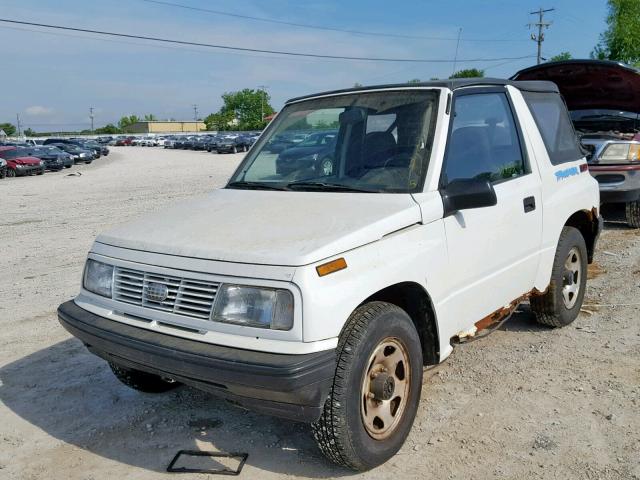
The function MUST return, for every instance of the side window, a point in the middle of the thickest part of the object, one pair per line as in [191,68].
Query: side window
[552,118]
[484,141]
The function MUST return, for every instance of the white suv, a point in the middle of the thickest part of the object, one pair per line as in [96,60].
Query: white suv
[319,295]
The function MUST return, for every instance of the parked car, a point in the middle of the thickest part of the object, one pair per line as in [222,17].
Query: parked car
[233,145]
[321,299]
[285,140]
[77,153]
[604,100]
[212,143]
[20,164]
[53,158]
[188,142]
[317,150]
[123,141]
[3,168]
[96,148]
[169,142]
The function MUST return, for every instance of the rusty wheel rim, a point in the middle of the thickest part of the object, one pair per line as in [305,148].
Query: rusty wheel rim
[385,388]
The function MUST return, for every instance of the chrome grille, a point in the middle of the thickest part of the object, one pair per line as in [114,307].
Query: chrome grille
[186,296]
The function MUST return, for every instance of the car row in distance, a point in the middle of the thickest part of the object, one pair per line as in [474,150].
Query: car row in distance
[27,158]
[222,143]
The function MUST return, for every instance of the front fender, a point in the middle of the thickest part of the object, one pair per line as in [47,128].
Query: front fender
[403,256]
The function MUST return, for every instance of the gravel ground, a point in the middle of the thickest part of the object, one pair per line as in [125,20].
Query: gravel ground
[526,402]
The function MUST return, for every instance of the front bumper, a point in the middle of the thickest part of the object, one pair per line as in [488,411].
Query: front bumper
[618,183]
[288,386]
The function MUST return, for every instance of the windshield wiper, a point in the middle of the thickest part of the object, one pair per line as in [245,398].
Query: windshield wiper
[253,186]
[336,187]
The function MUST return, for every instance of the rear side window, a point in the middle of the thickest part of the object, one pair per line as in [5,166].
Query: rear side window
[552,118]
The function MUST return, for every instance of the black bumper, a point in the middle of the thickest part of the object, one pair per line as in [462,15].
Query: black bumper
[287,386]
[619,196]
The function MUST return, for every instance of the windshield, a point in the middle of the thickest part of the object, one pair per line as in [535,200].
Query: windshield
[367,142]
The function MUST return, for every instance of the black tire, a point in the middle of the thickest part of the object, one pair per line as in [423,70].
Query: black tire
[3,173]
[551,308]
[67,166]
[340,432]
[235,149]
[11,173]
[142,381]
[89,162]
[633,214]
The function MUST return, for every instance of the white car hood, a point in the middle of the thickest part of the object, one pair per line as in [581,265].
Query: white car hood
[267,227]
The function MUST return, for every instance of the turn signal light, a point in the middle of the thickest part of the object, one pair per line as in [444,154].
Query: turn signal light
[331,267]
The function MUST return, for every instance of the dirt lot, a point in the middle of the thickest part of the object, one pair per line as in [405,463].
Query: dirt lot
[526,402]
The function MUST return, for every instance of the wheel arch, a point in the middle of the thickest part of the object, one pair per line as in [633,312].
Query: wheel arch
[586,222]
[415,300]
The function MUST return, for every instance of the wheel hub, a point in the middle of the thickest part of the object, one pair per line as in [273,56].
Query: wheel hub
[383,386]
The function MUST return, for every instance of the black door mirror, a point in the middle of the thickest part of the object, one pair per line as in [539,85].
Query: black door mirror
[466,194]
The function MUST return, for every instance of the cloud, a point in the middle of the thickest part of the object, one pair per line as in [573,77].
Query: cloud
[38,111]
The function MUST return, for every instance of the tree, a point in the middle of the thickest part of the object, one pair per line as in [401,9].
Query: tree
[414,80]
[125,121]
[241,110]
[621,40]
[29,133]
[561,57]
[108,129]
[468,73]
[150,117]
[357,85]
[8,128]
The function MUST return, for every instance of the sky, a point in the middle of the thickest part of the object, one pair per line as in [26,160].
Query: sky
[51,78]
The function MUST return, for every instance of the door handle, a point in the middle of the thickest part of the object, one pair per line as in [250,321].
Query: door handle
[529,204]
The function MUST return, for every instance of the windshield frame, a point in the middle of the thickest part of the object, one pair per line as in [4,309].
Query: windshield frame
[267,135]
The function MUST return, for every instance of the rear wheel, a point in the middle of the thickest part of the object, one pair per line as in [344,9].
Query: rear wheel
[633,214]
[3,172]
[561,303]
[142,381]
[376,388]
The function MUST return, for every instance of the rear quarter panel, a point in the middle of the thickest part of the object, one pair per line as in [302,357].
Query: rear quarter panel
[565,190]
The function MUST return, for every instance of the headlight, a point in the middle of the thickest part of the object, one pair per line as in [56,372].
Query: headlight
[620,152]
[98,278]
[82,155]
[254,307]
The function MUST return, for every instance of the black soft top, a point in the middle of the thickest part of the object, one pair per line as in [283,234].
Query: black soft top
[452,84]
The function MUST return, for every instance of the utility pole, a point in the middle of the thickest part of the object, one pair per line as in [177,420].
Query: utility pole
[539,38]
[262,88]
[455,58]
[91,117]
[195,115]
[18,124]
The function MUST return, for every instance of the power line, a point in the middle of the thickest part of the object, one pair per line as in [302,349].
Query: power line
[539,38]
[245,49]
[320,27]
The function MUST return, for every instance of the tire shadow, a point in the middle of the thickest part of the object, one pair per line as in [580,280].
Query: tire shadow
[72,395]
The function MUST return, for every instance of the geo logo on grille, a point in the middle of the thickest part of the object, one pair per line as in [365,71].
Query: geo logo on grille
[156,292]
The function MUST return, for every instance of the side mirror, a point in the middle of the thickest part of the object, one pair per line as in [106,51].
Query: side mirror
[466,194]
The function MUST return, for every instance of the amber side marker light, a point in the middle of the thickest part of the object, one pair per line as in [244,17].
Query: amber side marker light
[331,267]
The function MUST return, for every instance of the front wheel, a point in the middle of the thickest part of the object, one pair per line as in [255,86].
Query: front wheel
[633,214]
[376,388]
[235,149]
[561,303]
[11,173]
